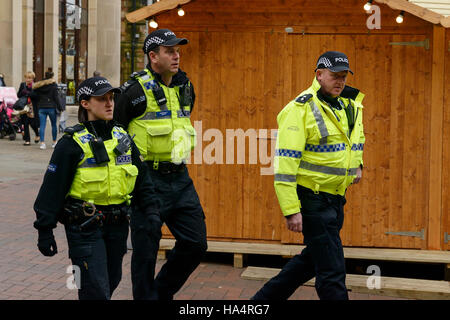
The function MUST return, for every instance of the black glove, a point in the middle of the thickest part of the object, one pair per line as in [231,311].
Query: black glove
[47,243]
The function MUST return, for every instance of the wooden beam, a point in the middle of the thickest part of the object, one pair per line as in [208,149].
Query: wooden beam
[436,147]
[153,9]
[238,261]
[389,286]
[405,255]
[413,9]
[445,22]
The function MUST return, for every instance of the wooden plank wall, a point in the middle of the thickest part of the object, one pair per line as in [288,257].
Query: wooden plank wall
[446,149]
[246,68]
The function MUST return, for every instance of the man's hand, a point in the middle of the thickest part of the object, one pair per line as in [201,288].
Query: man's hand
[294,222]
[358,175]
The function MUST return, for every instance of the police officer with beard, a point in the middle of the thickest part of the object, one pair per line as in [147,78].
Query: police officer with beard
[94,176]
[156,105]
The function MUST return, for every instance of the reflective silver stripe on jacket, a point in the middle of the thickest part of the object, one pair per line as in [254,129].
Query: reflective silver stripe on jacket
[327,170]
[320,122]
[185,114]
[285,177]
[153,115]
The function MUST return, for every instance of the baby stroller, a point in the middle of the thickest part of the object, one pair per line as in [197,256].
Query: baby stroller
[9,124]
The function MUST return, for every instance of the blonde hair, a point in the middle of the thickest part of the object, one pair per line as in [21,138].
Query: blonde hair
[30,73]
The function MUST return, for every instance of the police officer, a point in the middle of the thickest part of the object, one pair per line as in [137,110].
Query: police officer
[156,105]
[318,155]
[94,175]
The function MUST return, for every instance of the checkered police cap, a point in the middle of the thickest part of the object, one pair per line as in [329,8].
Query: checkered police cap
[334,61]
[94,87]
[162,37]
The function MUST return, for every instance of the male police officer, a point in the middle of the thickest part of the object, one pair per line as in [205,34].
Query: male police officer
[155,106]
[318,155]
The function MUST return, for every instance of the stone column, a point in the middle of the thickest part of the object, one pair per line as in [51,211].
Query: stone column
[51,43]
[92,37]
[11,46]
[108,40]
[27,35]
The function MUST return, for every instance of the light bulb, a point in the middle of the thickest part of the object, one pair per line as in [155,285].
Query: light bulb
[180,12]
[153,24]
[399,18]
[368,5]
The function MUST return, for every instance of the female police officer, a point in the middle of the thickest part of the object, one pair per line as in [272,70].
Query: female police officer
[94,175]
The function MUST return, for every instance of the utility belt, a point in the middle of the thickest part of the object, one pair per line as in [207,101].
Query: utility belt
[88,215]
[166,167]
[330,198]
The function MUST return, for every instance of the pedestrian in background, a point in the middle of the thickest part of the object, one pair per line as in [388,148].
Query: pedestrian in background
[29,119]
[2,80]
[48,100]
[94,175]
[318,156]
[156,106]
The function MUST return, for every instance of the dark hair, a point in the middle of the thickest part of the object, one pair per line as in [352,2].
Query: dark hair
[49,74]
[82,112]
[155,50]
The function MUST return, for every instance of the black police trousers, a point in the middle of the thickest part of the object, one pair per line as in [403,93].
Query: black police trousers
[323,256]
[98,253]
[181,211]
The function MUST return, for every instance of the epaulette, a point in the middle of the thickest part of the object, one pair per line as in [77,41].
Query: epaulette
[73,129]
[136,74]
[304,98]
[127,85]
[118,124]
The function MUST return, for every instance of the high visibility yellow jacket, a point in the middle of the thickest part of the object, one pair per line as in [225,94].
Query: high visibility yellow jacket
[163,133]
[314,147]
[106,183]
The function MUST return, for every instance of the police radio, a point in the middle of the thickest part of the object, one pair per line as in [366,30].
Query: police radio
[159,95]
[124,144]
[185,95]
[99,150]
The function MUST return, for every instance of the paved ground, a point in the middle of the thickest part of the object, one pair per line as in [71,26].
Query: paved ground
[27,275]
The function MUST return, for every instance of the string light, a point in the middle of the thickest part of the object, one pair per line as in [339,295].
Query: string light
[180,11]
[153,24]
[399,18]
[368,5]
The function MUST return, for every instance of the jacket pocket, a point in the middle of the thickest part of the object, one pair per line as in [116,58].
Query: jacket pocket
[94,184]
[129,175]
[192,135]
[159,139]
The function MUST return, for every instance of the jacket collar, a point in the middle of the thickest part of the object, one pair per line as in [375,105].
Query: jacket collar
[42,83]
